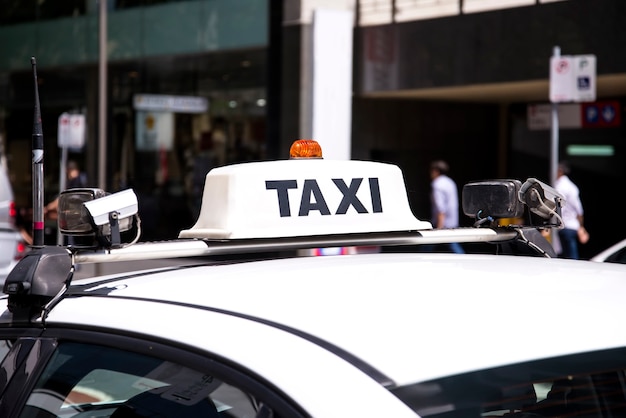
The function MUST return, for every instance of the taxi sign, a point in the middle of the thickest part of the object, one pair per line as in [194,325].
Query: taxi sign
[303,197]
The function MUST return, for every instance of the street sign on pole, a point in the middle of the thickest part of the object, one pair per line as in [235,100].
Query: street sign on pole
[585,69]
[71,131]
[572,78]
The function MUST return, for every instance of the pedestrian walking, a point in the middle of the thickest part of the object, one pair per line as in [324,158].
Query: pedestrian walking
[574,231]
[75,177]
[444,200]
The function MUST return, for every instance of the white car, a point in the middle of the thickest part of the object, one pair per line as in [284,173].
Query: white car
[12,245]
[12,249]
[258,331]
[616,253]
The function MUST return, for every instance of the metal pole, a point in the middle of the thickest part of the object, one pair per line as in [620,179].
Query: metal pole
[554,150]
[102,102]
[554,147]
[102,96]
[62,184]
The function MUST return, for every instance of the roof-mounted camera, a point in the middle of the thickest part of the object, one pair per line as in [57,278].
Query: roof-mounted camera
[492,199]
[541,199]
[496,199]
[92,217]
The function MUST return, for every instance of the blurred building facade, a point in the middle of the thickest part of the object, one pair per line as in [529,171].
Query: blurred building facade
[462,80]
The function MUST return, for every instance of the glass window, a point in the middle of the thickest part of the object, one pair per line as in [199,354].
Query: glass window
[5,346]
[618,257]
[84,380]
[590,385]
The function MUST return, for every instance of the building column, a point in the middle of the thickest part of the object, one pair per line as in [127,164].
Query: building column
[316,86]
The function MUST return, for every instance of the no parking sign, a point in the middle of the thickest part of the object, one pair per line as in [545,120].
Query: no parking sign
[71,131]
[573,78]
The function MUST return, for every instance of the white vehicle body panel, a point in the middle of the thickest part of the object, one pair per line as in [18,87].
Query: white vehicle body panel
[413,317]
[287,360]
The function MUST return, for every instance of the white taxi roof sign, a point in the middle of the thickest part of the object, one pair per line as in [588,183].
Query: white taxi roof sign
[303,197]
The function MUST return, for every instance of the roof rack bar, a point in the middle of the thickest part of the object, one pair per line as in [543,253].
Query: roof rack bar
[197,247]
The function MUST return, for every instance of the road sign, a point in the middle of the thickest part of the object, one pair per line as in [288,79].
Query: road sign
[600,114]
[71,131]
[539,116]
[573,78]
[603,114]
[167,103]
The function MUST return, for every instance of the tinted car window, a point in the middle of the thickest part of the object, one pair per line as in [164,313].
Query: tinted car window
[590,385]
[617,257]
[86,380]
[5,346]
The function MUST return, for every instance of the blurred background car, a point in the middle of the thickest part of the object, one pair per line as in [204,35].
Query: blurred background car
[616,253]
[13,246]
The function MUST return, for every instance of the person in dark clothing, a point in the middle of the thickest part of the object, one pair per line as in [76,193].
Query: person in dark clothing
[75,177]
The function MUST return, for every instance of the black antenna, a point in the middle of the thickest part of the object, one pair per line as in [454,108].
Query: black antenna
[38,196]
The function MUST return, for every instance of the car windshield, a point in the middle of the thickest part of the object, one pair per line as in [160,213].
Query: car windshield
[584,385]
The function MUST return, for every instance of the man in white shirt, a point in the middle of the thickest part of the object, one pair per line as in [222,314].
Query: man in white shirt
[444,200]
[571,213]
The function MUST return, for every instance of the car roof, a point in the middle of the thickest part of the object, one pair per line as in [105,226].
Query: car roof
[410,316]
